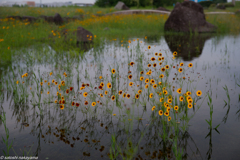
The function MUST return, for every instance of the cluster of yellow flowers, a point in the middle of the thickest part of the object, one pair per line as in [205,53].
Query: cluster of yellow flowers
[165,97]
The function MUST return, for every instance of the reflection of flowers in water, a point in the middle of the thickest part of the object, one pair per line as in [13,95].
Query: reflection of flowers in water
[92,89]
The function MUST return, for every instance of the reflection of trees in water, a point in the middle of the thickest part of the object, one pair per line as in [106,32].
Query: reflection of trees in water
[187,46]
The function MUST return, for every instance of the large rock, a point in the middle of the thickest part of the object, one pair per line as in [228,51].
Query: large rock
[57,19]
[84,36]
[192,5]
[188,17]
[121,6]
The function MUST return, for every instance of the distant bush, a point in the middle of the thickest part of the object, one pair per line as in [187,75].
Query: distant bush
[228,4]
[212,5]
[163,3]
[219,1]
[15,5]
[206,3]
[111,3]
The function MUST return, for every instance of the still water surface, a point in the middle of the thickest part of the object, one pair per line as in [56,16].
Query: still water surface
[85,132]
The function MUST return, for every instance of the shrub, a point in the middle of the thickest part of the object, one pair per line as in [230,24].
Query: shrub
[212,5]
[219,1]
[205,3]
[228,4]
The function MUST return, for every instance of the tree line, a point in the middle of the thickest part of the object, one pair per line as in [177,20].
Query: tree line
[143,3]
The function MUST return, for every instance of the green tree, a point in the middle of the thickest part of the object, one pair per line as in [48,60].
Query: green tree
[129,3]
[106,3]
[162,3]
[219,1]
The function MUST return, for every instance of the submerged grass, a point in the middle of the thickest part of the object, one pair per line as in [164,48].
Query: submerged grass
[144,82]
[5,140]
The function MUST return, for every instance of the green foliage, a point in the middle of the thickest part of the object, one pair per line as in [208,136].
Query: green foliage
[219,1]
[228,4]
[162,3]
[206,3]
[5,140]
[129,3]
[212,5]
[144,3]
[103,3]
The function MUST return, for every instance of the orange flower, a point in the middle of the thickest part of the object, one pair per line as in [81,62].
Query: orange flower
[67,91]
[137,96]
[130,76]
[61,107]
[190,65]
[113,98]
[120,92]
[153,59]
[77,104]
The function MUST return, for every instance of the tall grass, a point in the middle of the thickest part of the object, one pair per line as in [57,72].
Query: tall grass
[5,140]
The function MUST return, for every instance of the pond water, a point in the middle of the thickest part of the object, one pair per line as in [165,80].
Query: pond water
[129,127]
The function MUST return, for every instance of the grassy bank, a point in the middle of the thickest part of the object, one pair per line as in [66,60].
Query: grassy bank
[15,34]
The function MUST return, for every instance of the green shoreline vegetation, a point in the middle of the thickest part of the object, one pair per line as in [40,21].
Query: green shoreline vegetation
[17,34]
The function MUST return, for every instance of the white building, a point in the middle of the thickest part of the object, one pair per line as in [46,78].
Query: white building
[24,3]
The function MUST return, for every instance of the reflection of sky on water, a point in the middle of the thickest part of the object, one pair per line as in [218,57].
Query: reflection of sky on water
[225,145]
[210,64]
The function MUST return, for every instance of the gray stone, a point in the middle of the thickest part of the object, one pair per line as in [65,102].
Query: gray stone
[192,5]
[188,17]
[57,19]
[84,36]
[121,6]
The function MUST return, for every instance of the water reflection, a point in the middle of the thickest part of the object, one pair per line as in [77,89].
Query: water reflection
[188,46]
[89,132]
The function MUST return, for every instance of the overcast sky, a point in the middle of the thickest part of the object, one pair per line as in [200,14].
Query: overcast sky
[50,1]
